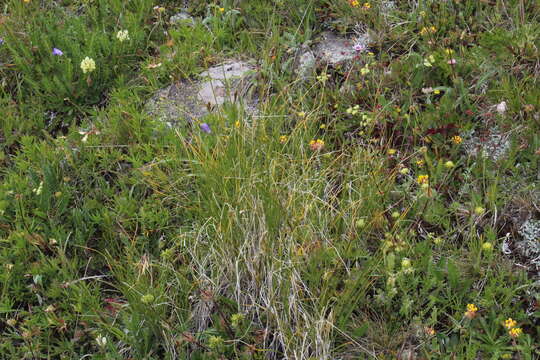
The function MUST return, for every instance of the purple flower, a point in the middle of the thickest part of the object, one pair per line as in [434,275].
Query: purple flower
[359,47]
[1,41]
[206,128]
[57,52]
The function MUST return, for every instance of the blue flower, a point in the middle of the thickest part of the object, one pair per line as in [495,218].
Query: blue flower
[57,52]
[206,128]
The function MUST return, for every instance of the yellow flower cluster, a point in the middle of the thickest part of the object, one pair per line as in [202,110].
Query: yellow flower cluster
[316,144]
[457,139]
[422,179]
[428,30]
[471,311]
[513,330]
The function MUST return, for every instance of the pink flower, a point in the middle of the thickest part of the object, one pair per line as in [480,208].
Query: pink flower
[452,62]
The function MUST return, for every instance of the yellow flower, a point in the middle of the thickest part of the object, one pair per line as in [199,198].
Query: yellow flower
[237,124]
[420,163]
[471,311]
[406,264]
[515,332]
[391,151]
[221,9]
[323,77]
[316,144]
[283,139]
[88,65]
[364,70]
[367,6]
[487,246]
[404,171]
[449,164]
[354,3]
[422,179]
[436,91]
[479,210]
[301,114]
[457,139]
[449,51]
[510,323]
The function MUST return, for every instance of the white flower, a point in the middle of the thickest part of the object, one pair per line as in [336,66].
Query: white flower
[501,108]
[122,35]
[101,340]
[88,65]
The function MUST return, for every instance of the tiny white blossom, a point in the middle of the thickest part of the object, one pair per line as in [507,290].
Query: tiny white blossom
[101,340]
[501,108]
[122,35]
[88,65]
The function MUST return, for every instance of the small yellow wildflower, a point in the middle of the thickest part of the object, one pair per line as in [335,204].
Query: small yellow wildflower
[420,163]
[487,246]
[430,331]
[365,70]
[221,9]
[406,264]
[422,179]
[449,164]
[283,139]
[237,124]
[316,144]
[471,311]
[436,91]
[510,323]
[429,61]
[404,171]
[301,114]
[322,126]
[367,6]
[449,51]
[323,77]
[392,151]
[457,139]
[353,110]
[479,210]
[354,3]
[515,332]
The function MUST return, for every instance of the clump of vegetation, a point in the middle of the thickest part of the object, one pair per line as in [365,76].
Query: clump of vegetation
[375,209]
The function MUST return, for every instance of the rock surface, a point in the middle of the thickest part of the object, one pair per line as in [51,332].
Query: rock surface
[331,50]
[228,82]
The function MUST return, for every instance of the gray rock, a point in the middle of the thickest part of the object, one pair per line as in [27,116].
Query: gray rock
[182,18]
[495,145]
[305,63]
[331,50]
[229,82]
[335,50]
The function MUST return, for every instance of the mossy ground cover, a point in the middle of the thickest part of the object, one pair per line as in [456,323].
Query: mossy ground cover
[365,212]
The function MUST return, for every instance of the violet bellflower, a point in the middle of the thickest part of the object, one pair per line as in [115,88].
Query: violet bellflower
[57,52]
[206,128]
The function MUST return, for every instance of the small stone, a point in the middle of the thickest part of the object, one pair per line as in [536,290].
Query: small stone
[182,18]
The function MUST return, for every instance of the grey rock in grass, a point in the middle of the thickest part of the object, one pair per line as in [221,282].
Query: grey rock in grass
[334,50]
[529,245]
[182,18]
[229,82]
[330,50]
[494,144]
